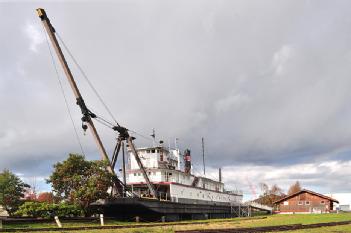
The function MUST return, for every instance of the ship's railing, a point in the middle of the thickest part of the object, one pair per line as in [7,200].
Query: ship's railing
[235,192]
[259,206]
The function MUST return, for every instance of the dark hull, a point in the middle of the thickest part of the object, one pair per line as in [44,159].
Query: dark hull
[149,209]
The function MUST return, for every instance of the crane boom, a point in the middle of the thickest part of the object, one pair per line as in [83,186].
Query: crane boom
[88,115]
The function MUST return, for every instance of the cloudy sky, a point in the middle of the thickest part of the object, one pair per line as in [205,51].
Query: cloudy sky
[266,83]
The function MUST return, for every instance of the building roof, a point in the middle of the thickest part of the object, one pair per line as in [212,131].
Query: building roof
[306,191]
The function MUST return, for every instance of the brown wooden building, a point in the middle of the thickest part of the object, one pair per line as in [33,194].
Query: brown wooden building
[305,201]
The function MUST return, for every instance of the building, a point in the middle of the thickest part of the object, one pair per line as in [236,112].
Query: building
[305,201]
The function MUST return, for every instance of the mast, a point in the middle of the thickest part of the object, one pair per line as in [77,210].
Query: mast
[124,168]
[203,154]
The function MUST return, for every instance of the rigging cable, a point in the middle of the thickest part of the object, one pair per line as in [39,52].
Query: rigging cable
[102,120]
[63,93]
[86,78]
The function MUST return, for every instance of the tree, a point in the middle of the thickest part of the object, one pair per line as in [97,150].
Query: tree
[12,190]
[79,181]
[294,188]
[269,194]
[47,197]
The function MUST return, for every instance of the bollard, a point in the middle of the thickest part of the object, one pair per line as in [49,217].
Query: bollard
[163,219]
[102,219]
[137,219]
[58,222]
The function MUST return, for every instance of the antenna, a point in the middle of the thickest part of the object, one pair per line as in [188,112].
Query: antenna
[176,143]
[203,154]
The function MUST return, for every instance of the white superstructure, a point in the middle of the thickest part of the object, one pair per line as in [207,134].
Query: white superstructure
[163,168]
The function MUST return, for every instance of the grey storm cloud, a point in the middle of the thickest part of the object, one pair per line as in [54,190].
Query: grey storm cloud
[266,83]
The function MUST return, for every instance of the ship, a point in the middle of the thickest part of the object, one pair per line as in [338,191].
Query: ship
[181,194]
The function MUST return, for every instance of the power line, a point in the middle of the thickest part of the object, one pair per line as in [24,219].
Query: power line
[63,92]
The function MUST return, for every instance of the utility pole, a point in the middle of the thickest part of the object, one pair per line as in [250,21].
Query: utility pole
[203,155]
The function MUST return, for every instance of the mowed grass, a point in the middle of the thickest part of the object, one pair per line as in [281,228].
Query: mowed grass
[271,220]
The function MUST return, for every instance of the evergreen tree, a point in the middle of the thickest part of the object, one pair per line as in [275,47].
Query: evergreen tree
[12,190]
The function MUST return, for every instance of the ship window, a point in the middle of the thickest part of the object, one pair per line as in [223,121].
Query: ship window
[300,203]
[147,151]
[307,202]
[135,174]
[153,151]
[157,151]
[170,174]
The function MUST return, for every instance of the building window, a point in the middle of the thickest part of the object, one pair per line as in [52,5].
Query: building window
[135,174]
[286,203]
[322,202]
[300,203]
[307,203]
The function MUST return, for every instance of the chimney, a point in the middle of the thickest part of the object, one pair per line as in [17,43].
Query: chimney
[187,161]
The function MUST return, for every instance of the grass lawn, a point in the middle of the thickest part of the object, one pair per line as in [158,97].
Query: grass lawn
[271,220]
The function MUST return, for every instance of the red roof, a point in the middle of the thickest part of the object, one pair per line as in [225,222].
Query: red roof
[306,191]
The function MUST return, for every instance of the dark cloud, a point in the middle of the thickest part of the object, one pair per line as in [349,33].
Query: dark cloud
[266,83]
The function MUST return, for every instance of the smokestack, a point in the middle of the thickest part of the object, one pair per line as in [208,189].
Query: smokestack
[187,161]
[220,174]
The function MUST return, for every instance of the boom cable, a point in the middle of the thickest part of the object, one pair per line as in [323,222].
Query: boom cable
[99,119]
[63,93]
[86,78]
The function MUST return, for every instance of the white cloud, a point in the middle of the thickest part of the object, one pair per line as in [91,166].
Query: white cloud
[231,102]
[325,177]
[281,59]
[35,35]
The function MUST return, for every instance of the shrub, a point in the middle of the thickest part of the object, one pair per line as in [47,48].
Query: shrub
[47,210]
